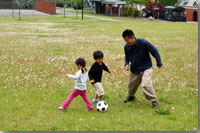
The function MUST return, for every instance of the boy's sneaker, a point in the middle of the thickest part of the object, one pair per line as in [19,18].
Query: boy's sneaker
[128,99]
[154,105]
[95,101]
[61,108]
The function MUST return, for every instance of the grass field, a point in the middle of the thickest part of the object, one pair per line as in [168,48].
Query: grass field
[37,52]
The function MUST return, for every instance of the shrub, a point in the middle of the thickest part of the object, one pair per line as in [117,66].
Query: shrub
[135,13]
[61,3]
[131,12]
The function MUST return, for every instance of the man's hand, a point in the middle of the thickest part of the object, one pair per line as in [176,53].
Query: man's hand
[127,67]
[109,71]
[92,81]
[66,75]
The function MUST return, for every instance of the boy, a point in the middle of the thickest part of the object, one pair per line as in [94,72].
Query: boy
[95,75]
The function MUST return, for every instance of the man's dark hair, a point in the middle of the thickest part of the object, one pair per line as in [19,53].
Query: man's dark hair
[128,33]
[98,55]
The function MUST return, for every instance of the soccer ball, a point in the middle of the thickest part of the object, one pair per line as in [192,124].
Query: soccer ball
[102,106]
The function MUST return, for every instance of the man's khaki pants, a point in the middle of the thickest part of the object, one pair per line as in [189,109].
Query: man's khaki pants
[147,86]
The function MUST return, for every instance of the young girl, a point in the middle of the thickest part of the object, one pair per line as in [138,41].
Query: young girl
[81,78]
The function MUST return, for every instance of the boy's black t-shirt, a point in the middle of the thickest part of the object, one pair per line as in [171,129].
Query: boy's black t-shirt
[96,71]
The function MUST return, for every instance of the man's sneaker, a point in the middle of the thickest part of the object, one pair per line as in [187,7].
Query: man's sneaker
[95,101]
[154,105]
[128,99]
[89,110]
[61,108]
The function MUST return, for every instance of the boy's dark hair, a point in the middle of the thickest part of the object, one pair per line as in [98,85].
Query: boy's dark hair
[81,62]
[98,55]
[128,33]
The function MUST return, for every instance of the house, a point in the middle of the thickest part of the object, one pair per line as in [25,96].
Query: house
[186,10]
[173,13]
[191,9]
[108,7]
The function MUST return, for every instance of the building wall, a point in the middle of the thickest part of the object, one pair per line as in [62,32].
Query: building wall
[189,13]
[46,6]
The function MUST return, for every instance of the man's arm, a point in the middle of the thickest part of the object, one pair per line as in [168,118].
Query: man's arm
[154,52]
[126,57]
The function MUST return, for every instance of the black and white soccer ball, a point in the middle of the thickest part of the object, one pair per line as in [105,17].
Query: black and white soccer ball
[102,106]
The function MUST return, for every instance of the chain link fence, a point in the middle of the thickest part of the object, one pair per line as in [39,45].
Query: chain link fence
[44,6]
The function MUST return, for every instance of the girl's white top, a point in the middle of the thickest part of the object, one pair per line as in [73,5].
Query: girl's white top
[81,80]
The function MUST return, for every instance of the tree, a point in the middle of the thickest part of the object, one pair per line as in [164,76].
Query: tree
[65,3]
[141,2]
[168,2]
[20,4]
[155,8]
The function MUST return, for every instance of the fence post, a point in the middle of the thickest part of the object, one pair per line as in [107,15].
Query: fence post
[76,11]
[19,12]
[12,10]
[82,8]
[64,10]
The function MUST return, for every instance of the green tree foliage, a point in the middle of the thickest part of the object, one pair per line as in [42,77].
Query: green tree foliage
[79,4]
[61,3]
[142,2]
[168,2]
[131,12]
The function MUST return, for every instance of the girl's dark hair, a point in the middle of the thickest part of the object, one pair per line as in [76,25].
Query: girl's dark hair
[81,62]
[98,54]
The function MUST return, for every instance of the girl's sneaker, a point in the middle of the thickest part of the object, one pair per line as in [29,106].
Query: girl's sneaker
[95,101]
[61,108]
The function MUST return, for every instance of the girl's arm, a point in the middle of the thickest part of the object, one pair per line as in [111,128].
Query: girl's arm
[75,76]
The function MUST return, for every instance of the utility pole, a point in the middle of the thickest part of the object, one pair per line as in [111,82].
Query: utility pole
[82,8]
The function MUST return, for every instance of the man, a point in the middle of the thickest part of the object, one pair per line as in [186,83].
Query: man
[137,52]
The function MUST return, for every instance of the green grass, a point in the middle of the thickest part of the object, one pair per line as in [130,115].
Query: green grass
[37,52]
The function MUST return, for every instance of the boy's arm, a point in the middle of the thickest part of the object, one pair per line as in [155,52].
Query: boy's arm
[75,76]
[106,68]
[90,74]
[154,52]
